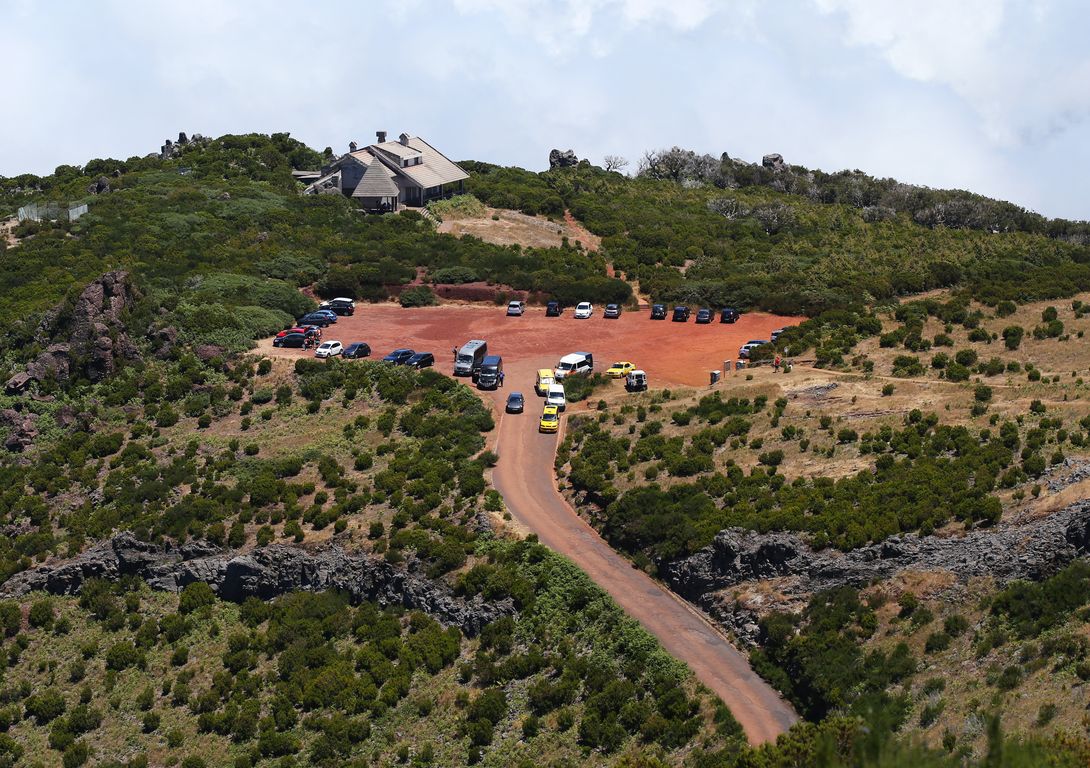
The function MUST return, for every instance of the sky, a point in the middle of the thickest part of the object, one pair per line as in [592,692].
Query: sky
[987,95]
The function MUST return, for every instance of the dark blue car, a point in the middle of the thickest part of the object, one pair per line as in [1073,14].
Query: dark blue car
[515,402]
[399,356]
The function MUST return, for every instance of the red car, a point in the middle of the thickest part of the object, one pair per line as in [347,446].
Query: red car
[310,331]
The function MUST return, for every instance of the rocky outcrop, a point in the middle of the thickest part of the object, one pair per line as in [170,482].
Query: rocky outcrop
[262,573]
[22,429]
[1030,550]
[99,186]
[562,159]
[773,162]
[85,338]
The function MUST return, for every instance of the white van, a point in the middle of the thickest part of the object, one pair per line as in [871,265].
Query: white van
[576,363]
[555,396]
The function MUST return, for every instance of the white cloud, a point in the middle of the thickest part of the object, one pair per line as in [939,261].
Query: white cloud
[1018,65]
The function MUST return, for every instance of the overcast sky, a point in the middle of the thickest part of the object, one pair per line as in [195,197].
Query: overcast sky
[985,95]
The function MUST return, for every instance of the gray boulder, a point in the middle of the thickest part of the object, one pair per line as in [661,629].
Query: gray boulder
[773,162]
[565,159]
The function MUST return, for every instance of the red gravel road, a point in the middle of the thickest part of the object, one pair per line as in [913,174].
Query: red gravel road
[671,353]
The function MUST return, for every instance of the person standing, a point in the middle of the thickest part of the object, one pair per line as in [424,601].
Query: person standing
[501,378]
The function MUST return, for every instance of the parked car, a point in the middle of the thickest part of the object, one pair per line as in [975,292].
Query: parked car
[356,349]
[515,403]
[313,331]
[728,315]
[613,311]
[620,370]
[636,381]
[399,356]
[575,363]
[703,316]
[555,396]
[291,340]
[545,377]
[658,311]
[328,349]
[421,360]
[309,330]
[320,320]
[515,308]
[583,310]
[681,314]
[490,374]
[749,346]
[328,313]
[776,333]
[552,309]
[550,419]
[340,305]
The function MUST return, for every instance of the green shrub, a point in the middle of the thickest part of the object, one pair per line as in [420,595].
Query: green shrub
[418,296]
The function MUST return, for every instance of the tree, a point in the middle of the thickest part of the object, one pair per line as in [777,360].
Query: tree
[614,163]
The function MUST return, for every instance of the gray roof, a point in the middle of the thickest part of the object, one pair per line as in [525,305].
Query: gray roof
[376,182]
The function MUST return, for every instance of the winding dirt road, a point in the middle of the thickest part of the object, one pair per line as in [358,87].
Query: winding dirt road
[671,353]
[524,475]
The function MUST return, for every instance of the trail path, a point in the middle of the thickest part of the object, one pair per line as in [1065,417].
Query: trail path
[524,475]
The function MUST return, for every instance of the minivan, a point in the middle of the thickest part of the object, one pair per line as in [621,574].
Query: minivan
[488,375]
[574,363]
[555,396]
[658,311]
[469,357]
[552,309]
[728,315]
[544,379]
[681,314]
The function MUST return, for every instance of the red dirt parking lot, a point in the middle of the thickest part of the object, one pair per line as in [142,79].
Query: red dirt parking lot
[671,353]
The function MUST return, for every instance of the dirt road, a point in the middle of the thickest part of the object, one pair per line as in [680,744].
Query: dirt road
[524,475]
[671,353]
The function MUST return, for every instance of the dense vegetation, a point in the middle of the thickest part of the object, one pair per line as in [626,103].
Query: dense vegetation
[748,242]
[921,477]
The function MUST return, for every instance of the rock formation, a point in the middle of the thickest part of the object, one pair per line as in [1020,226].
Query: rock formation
[1029,550]
[23,428]
[262,573]
[99,186]
[773,162]
[565,159]
[84,339]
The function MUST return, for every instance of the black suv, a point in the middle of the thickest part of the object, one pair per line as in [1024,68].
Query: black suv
[613,311]
[297,340]
[399,356]
[658,311]
[681,314]
[358,349]
[421,360]
[703,315]
[728,315]
[340,306]
[552,309]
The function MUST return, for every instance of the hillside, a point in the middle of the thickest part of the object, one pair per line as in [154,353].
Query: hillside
[893,530]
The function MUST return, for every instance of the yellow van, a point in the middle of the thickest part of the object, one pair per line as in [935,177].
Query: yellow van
[544,379]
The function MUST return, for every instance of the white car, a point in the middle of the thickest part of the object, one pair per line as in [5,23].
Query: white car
[555,396]
[583,310]
[515,308]
[328,349]
[749,346]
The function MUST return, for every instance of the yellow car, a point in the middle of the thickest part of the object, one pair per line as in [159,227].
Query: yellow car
[620,370]
[550,419]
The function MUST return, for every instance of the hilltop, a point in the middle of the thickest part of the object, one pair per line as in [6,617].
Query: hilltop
[937,397]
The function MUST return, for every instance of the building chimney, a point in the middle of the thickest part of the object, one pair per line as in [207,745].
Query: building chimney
[381,135]
[404,139]
[351,146]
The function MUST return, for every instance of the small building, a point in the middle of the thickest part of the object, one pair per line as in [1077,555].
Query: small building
[388,175]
